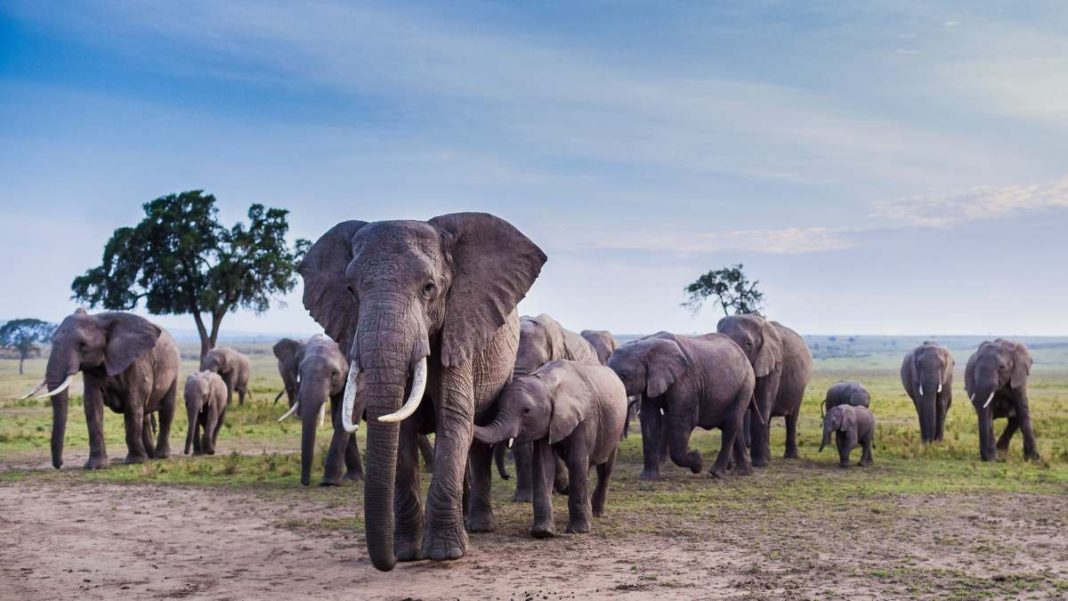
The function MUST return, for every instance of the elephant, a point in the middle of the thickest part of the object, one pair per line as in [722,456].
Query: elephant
[287,351]
[602,342]
[995,379]
[205,404]
[430,303]
[234,368]
[565,407]
[851,425]
[927,375]
[783,366]
[322,373]
[129,365]
[686,382]
[542,339]
[846,392]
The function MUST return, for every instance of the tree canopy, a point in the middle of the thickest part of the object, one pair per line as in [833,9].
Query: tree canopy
[180,260]
[731,289]
[23,335]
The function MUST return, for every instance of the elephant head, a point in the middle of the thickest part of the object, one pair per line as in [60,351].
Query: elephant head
[927,368]
[218,360]
[758,337]
[387,291]
[541,340]
[547,403]
[650,365]
[107,343]
[603,342]
[840,419]
[287,351]
[1001,364]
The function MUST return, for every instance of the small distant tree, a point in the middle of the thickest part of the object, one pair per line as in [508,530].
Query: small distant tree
[180,260]
[23,336]
[730,288]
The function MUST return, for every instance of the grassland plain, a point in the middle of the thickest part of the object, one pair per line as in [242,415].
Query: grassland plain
[923,522]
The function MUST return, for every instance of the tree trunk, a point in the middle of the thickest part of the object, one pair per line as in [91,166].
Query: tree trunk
[205,343]
[22,358]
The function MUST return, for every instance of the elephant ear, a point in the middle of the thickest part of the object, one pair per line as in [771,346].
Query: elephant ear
[554,337]
[128,337]
[908,374]
[849,425]
[969,372]
[286,350]
[665,363]
[493,267]
[326,295]
[572,398]
[1021,366]
[769,357]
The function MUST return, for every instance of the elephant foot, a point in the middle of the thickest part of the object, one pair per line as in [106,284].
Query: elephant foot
[97,462]
[578,527]
[1032,456]
[864,463]
[759,462]
[481,522]
[444,544]
[791,454]
[408,548]
[543,530]
[719,473]
[743,470]
[329,482]
[132,459]
[560,486]
[649,475]
[843,465]
[523,495]
[163,452]
[354,476]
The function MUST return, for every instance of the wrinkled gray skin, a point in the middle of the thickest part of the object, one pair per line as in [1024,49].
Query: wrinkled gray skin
[287,351]
[851,426]
[687,382]
[394,293]
[846,392]
[572,409]
[233,367]
[783,367]
[927,375]
[129,365]
[205,406]
[542,339]
[1001,368]
[602,342]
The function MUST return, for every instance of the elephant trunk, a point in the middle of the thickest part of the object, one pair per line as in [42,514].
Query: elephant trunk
[926,406]
[57,376]
[503,428]
[192,408]
[827,429]
[310,398]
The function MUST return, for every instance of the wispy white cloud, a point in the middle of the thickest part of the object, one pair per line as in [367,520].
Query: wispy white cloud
[786,241]
[987,202]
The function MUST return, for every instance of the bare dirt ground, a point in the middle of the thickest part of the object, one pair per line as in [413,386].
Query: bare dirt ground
[97,540]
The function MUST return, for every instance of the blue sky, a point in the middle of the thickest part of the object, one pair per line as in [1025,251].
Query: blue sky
[880,167]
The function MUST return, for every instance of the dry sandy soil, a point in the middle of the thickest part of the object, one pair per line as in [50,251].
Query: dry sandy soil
[95,540]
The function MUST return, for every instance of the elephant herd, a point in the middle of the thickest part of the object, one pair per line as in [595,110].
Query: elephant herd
[423,337]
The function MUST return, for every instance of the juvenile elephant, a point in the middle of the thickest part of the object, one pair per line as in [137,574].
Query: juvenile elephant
[996,381]
[927,375]
[783,366]
[846,392]
[689,381]
[851,425]
[602,342]
[234,368]
[128,364]
[570,409]
[205,405]
[321,374]
[426,309]
[542,339]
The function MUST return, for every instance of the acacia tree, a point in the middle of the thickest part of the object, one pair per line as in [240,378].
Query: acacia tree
[180,260]
[23,335]
[731,288]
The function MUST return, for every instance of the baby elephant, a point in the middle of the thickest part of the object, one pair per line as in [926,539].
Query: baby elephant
[205,402]
[850,425]
[847,393]
[573,409]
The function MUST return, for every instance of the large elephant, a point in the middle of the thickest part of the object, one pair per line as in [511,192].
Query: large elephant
[995,379]
[426,309]
[783,366]
[128,364]
[927,375]
[542,339]
[233,367]
[287,352]
[689,381]
[602,342]
[205,405]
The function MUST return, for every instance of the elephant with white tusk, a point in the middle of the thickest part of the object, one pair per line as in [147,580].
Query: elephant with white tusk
[927,375]
[996,381]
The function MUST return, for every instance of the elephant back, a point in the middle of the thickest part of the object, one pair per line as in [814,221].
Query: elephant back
[849,393]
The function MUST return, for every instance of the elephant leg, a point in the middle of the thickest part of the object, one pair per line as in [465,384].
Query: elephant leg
[524,489]
[353,465]
[480,505]
[1023,415]
[650,420]
[146,437]
[134,418]
[543,503]
[407,504]
[217,425]
[198,440]
[241,396]
[729,435]
[167,406]
[679,443]
[940,417]
[987,448]
[93,403]
[791,434]
[1010,429]
[426,449]
[561,478]
[865,456]
[767,389]
[665,436]
[500,457]
[740,457]
[334,467]
[578,495]
[842,442]
[445,536]
[604,472]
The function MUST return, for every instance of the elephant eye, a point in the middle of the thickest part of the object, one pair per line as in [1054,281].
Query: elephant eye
[526,411]
[428,289]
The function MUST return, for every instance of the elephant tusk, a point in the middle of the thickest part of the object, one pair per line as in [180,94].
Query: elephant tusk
[414,398]
[58,389]
[921,389]
[971,397]
[33,392]
[322,414]
[940,388]
[511,441]
[350,399]
[988,399]
[661,411]
[291,411]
